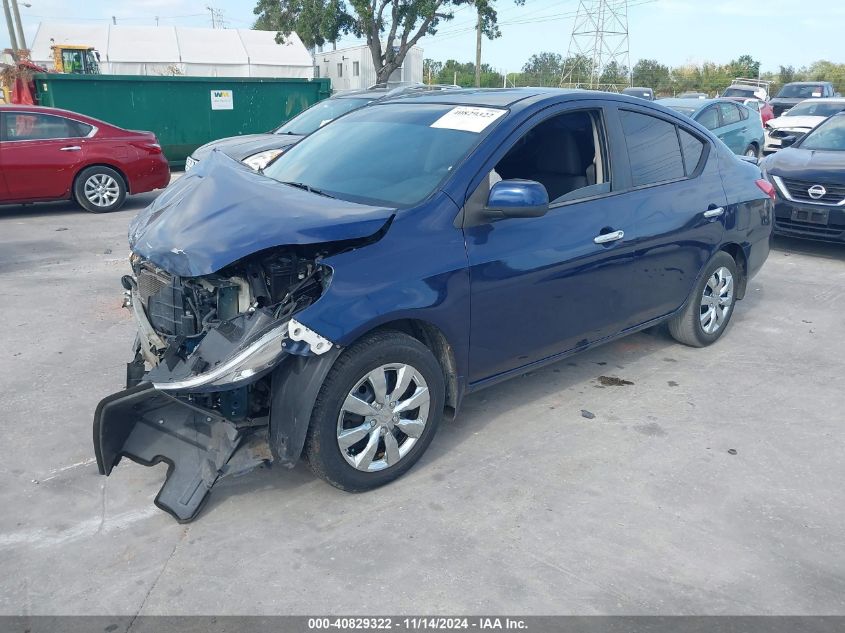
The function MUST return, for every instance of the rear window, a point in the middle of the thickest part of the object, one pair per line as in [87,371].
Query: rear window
[738,92]
[653,149]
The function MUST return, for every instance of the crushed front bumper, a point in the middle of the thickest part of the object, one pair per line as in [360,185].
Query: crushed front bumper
[194,413]
[199,445]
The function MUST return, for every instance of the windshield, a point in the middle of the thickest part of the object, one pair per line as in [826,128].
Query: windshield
[828,136]
[816,108]
[797,91]
[393,155]
[738,92]
[318,115]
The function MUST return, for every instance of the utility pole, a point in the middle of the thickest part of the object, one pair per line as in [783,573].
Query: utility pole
[12,40]
[114,20]
[478,52]
[213,16]
[21,38]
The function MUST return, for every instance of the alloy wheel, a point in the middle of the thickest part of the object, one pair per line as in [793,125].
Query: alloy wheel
[101,190]
[716,300]
[382,417]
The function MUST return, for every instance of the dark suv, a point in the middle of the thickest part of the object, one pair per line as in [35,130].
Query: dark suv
[793,93]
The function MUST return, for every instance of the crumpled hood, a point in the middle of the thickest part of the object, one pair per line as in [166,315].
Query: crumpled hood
[795,122]
[240,147]
[222,211]
[807,164]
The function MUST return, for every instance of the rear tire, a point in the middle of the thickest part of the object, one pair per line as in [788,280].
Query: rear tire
[710,306]
[99,189]
[752,151]
[376,412]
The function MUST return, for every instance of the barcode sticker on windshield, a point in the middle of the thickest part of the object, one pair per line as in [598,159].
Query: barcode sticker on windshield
[468,118]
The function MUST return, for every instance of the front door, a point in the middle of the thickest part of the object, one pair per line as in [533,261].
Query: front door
[41,154]
[542,286]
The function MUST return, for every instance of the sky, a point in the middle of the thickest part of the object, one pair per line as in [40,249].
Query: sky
[675,32]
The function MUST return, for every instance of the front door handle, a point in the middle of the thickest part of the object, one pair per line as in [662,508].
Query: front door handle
[714,213]
[70,148]
[604,238]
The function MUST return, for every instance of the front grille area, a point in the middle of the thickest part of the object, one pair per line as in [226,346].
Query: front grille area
[798,190]
[150,281]
[784,133]
[818,230]
[164,300]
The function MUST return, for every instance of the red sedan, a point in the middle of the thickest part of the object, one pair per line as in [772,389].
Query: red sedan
[51,154]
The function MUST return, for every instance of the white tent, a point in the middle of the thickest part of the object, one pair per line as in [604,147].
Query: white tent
[167,50]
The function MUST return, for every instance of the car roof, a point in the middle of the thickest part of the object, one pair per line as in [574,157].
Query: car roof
[806,83]
[680,101]
[636,88]
[489,97]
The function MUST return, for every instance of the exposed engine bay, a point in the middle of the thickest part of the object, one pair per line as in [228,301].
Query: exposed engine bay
[200,388]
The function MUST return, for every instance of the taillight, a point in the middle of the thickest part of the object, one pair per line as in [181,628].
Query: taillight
[154,148]
[766,187]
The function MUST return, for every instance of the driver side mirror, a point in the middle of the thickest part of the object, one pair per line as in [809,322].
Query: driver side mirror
[516,199]
[786,141]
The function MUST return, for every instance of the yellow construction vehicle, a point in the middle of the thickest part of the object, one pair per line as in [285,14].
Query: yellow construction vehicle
[72,58]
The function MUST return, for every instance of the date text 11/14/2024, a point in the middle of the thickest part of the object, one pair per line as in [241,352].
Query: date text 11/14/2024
[416,623]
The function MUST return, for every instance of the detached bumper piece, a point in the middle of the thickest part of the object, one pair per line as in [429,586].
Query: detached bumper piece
[150,426]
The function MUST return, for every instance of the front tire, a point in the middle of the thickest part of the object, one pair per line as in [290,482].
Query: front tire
[99,189]
[376,412]
[710,306]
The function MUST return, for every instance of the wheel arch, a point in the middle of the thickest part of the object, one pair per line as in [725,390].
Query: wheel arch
[738,254]
[435,340]
[100,164]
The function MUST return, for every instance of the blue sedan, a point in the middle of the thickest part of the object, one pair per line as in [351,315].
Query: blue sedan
[342,302]
[737,125]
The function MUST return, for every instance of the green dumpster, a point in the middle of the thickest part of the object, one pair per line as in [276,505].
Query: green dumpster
[184,112]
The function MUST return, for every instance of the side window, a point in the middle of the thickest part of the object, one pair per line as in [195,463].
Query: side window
[564,153]
[356,69]
[340,70]
[709,118]
[653,149]
[743,112]
[29,126]
[730,113]
[692,149]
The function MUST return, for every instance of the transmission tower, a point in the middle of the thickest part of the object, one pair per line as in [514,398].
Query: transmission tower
[599,38]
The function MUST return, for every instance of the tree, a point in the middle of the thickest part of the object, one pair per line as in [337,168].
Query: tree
[744,66]
[786,74]
[545,63]
[403,21]
[614,75]
[652,74]
[431,69]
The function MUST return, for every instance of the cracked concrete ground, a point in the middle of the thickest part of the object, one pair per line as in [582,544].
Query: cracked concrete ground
[711,485]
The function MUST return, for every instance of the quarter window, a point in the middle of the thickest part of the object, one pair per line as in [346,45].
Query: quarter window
[730,113]
[709,118]
[692,148]
[653,149]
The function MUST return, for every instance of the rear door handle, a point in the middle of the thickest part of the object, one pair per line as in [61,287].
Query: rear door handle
[70,148]
[604,238]
[714,213]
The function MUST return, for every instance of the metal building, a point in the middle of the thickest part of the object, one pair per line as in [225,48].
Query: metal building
[353,69]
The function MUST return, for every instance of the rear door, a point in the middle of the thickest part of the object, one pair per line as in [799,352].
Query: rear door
[41,153]
[733,129]
[678,201]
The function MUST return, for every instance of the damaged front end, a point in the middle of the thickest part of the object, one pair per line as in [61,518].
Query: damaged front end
[215,356]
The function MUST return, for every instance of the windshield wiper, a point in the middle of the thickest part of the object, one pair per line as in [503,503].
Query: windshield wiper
[308,188]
